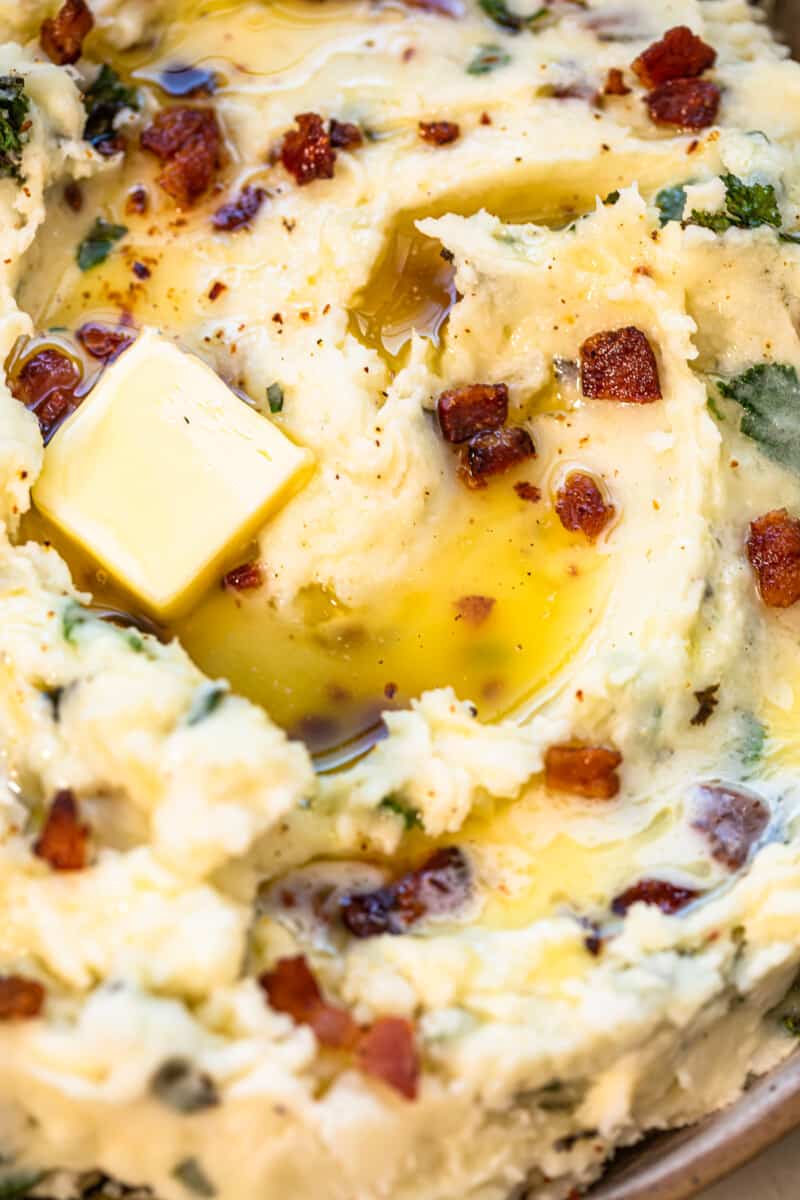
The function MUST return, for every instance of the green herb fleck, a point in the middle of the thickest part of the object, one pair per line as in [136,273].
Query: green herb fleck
[713,407]
[409,816]
[14,125]
[670,203]
[752,740]
[103,101]
[718,222]
[207,700]
[791,1023]
[14,1187]
[793,237]
[181,1086]
[488,58]
[747,205]
[72,617]
[707,701]
[135,643]
[98,243]
[612,197]
[275,397]
[501,14]
[193,1177]
[769,394]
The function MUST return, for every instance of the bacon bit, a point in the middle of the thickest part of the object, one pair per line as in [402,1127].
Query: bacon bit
[138,201]
[589,771]
[390,690]
[216,290]
[773,548]
[580,505]
[61,37]
[244,578]
[20,998]
[680,54]
[707,701]
[579,89]
[240,211]
[441,884]
[344,135]
[528,491]
[465,411]
[688,103]
[475,610]
[103,342]
[73,196]
[64,840]
[387,1051]
[493,452]
[292,989]
[46,385]
[307,152]
[189,142]
[615,84]
[732,820]
[669,897]
[485,119]
[619,364]
[438,133]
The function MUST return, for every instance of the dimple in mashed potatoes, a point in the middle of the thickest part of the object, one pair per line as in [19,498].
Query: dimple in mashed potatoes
[399,581]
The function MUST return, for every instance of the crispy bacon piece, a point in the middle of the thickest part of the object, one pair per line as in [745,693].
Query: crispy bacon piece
[138,200]
[307,152]
[732,819]
[344,135]
[103,342]
[493,452]
[64,840]
[439,133]
[465,411]
[62,36]
[589,771]
[679,54]
[189,142]
[20,998]
[387,1051]
[688,103]
[615,84]
[619,364]
[773,548]
[46,385]
[474,609]
[241,211]
[244,578]
[581,507]
[73,196]
[669,897]
[528,491]
[441,884]
[292,989]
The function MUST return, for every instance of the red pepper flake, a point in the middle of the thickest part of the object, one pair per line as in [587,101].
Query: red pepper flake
[244,578]
[669,897]
[465,411]
[439,133]
[344,135]
[387,1051]
[103,342]
[20,998]
[189,142]
[64,840]
[216,290]
[307,152]
[45,383]
[615,84]
[73,196]
[494,452]
[773,549]
[241,211]
[61,37]
[581,507]
[687,103]
[292,989]
[680,54]
[442,884]
[138,201]
[619,364]
[732,819]
[589,771]
[475,610]
[528,491]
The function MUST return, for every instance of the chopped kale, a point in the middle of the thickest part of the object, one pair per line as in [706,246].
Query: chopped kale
[670,203]
[275,397]
[193,1177]
[182,1087]
[19,1184]
[752,740]
[103,101]
[207,700]
[499,12]
[792,236]
[488,58]
[707,701]
[72,617]
[135,643]
[98,243]
[769,394]
[747,205]
[409,816]
[14,125]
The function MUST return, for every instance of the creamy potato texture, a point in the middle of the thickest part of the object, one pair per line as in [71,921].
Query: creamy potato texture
[447,841]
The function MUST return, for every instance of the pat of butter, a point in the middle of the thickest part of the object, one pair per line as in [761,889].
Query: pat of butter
[162,470]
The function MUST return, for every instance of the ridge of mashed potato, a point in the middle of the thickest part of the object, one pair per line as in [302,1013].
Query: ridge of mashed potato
[552,1021]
